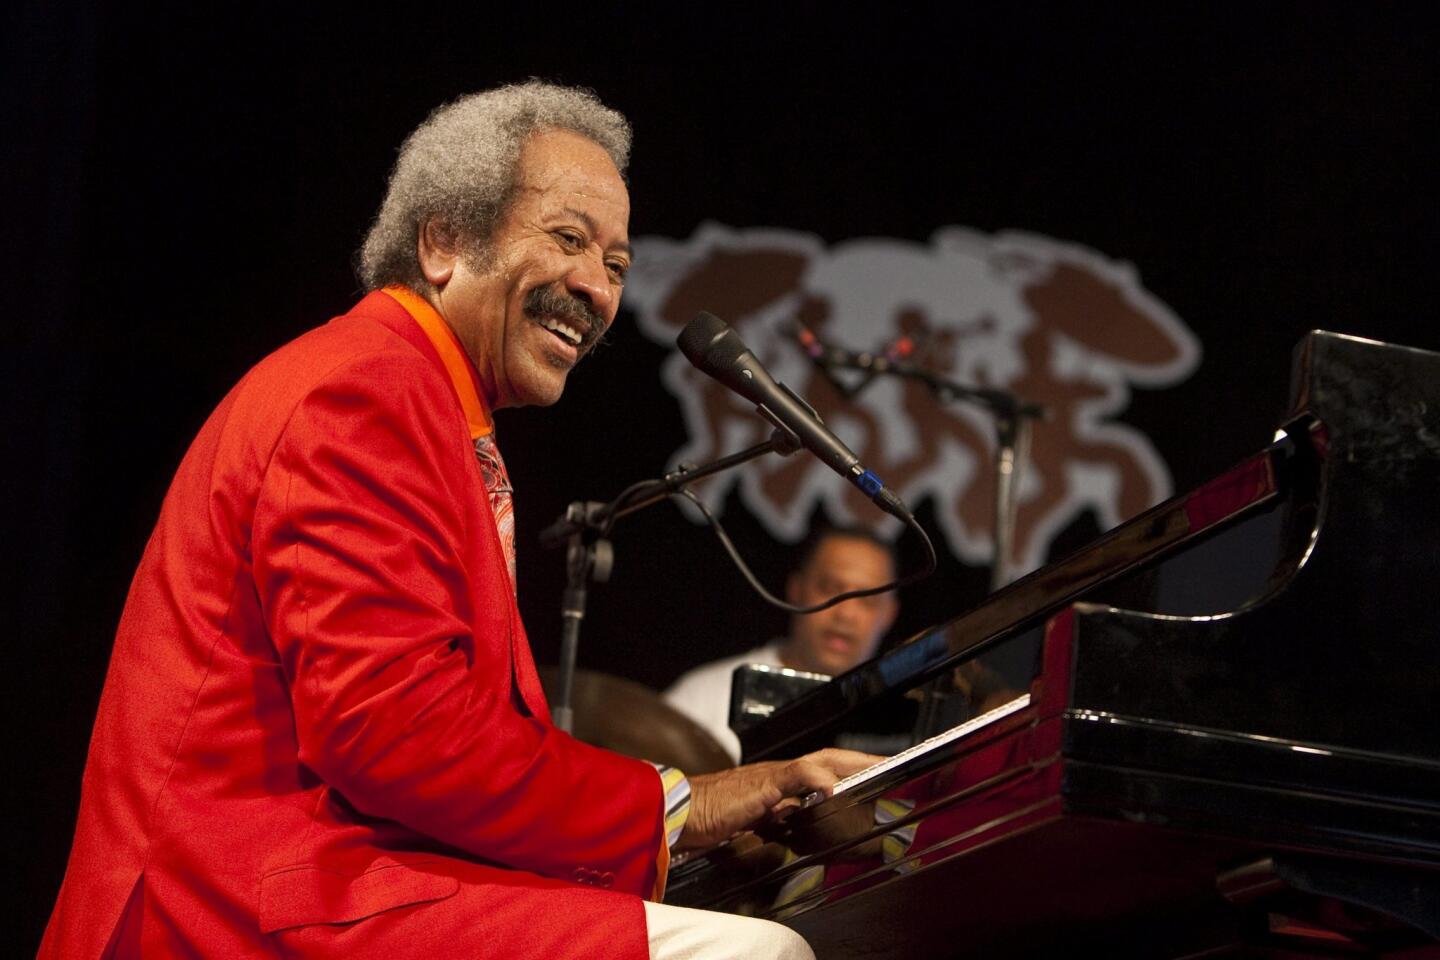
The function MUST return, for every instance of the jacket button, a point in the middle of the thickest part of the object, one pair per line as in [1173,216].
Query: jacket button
[607,879]
[581,875]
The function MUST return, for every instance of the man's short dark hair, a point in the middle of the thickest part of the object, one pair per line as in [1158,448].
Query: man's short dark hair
[822,532]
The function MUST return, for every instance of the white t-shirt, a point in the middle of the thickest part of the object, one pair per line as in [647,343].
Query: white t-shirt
[703,694]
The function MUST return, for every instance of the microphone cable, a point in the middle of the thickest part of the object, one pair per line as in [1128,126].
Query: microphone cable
[931,562]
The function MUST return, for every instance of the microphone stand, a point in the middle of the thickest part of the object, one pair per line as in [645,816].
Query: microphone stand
[1013,419]
[1012,447]
[584,530]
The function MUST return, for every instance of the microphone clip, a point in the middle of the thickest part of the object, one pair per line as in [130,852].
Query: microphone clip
[783,440]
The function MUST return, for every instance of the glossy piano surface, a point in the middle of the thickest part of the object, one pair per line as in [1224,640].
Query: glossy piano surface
[1232,741]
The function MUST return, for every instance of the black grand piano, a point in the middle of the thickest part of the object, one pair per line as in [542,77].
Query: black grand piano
[1213,732]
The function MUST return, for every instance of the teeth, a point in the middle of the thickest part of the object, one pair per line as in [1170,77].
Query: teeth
[564,329]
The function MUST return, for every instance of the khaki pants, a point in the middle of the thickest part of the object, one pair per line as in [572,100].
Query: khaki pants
[681,933]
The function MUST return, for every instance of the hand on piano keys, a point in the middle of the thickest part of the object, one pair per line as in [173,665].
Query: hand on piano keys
[725,803]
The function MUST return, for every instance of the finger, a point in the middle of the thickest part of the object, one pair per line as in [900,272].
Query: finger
[784,808]
[814,775]
[804,776]
[843,762]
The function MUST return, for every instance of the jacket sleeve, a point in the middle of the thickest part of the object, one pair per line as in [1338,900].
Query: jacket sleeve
[394,625]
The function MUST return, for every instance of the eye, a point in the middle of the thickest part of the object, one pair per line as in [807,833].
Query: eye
[617,269]
[571,239]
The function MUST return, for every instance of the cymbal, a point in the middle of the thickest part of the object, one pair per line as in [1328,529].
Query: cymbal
[630,718]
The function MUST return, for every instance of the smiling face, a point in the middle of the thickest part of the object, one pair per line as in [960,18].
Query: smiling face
[548,283]
[832,641]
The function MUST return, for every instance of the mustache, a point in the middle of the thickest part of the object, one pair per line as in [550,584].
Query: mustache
[566,307]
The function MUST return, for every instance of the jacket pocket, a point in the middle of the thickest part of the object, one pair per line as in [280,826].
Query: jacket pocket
[296,896]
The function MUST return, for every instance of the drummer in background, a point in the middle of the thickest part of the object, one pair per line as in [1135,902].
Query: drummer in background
[834,560]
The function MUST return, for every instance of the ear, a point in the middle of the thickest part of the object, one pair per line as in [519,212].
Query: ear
[438,252]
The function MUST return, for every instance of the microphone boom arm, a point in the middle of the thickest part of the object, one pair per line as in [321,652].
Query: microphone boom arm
[584,531]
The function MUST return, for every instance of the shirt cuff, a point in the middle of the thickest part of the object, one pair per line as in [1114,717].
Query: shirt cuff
[676,789]
[677,801]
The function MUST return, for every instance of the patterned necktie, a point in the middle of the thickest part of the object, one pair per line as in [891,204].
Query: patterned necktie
[497,487]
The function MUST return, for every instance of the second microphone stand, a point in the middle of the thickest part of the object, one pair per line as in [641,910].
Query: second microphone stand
[1013,418]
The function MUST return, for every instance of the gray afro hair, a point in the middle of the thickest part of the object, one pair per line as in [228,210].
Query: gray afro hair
[461,167]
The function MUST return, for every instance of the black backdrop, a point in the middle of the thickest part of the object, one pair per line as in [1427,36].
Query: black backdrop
[183,191]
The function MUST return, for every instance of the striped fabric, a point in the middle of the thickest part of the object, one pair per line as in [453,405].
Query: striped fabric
[677,801]
[798,885]
[895,845]
[502,500]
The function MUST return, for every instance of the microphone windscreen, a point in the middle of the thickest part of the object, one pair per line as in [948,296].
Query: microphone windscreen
[709,343]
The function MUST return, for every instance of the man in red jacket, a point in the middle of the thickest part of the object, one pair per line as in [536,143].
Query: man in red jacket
[322,733]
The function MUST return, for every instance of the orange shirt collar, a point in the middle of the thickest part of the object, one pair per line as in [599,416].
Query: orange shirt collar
[452,355]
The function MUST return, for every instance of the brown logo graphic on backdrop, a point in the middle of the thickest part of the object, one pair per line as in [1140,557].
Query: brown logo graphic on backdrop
[1052,322]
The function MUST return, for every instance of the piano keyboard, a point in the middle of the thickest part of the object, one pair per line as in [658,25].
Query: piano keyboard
[924,746]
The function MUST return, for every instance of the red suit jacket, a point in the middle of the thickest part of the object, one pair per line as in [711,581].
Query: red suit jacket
[322,732]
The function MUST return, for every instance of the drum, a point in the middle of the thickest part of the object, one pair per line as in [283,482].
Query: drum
[630,718]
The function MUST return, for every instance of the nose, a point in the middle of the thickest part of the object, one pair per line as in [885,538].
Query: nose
[589,280]
[844,614]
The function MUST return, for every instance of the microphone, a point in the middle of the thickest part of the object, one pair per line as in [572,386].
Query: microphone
[894,355]
[892,358]
[900,349]
[824,355]
[828,359]
[717,351]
